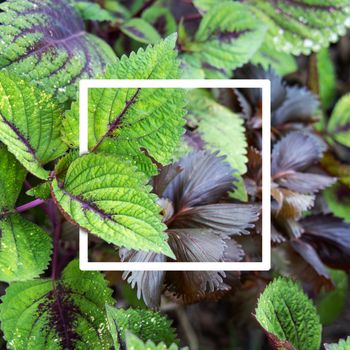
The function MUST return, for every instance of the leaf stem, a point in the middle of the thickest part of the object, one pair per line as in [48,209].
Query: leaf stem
[56,232]
[29,205]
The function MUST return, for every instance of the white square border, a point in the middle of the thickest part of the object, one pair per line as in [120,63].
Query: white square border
[263,84]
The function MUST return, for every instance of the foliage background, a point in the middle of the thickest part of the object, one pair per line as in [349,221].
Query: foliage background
[230,39]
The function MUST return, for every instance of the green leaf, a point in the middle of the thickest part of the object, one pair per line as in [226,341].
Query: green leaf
[228,36]
[109,198]
[281,62]
[124,121]
[134,343]
[30,123]
[337,202]
[286,312]
[46,43]
[326,77]
[330,304]
[204,5]
[41,191]
[92,11]
[212,120]
[146,324]
[12,175]
[62,314]
[300,27]
[140,30]
[162,16]
[339,122]
[25,249]
[342,345]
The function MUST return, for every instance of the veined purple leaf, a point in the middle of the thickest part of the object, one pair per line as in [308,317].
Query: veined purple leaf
[306,182]
[289,104]
[148,283]
[330,236]
[309,254]
[205,178]
[295,152]
[200,245]
[45,42]
[229,218]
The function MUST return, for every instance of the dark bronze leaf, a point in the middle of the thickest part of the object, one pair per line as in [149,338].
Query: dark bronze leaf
[148,283]
[230,218]
[205,179]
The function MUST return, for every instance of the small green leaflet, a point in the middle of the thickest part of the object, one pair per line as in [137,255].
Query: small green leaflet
[300,27]
[212,120]
[343,344]
[339,122]
[41,191]
[134,343]
[12,176]
[25,249]
[30,123]
[330,304]
[268,56]
[92,11]
[45,42]
[327,77]
[63,314]
[146,324]
[337,203]
[108,197]
[228,36]
[158,14]
[288,316]
[124,121]
[140,30]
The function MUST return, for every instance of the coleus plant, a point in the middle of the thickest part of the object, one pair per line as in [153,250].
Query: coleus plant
[162,179]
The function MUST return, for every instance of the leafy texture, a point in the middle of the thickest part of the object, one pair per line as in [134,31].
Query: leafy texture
[64,314]
[12,176]
[29,124]
[343,344]
[339,123]
[146,324]
[109,198]
[228,36]
[338,200]
[45,42]
[200,229]
[300,27]
[124,121]
[211,120]
[330,304]
[285,311]
[327,77]
[92,11]
[134,343]
[25,249]
[140,30]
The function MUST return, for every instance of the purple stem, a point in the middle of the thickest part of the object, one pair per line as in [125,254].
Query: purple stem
[29,205]
[56,231]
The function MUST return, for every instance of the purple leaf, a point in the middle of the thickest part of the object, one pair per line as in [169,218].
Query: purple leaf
[295,152]
[309,254]
[230,218]
[148,283]
[330,236]
[205,179]
[200,245]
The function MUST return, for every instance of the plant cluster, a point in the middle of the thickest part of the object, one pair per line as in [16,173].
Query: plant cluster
[171,174]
